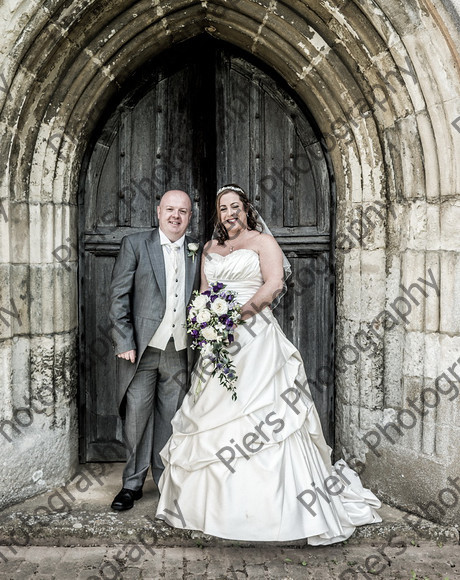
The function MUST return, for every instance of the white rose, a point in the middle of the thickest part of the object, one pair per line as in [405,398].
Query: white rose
[193,247]
[219,306]
[203,316]
[209,333]
[206,350]
[200,302]
[192,312]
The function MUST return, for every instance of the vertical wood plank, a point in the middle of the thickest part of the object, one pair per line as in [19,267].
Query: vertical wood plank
[141,155]
[125,169]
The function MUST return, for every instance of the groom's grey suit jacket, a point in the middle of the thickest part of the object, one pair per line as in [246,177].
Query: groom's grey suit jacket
[138,300]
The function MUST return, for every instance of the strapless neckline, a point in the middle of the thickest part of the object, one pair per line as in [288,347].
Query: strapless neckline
[232,253]
[240,274]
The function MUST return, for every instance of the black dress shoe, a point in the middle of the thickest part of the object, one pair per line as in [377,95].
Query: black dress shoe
[124,500]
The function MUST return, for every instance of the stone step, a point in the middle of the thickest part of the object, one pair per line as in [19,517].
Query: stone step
[79,514]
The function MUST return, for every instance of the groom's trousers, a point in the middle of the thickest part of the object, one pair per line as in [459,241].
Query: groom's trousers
[152,399]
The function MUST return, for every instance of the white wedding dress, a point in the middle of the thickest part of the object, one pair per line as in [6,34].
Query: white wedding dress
[257,468]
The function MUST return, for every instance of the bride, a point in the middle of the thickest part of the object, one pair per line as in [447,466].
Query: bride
[257,468]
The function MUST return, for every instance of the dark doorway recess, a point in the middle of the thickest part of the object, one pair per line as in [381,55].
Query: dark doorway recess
[201,115]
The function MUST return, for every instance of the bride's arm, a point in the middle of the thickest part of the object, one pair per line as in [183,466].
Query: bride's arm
[204,285]
[271,266]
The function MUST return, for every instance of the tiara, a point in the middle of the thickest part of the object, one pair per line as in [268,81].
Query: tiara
[230,188]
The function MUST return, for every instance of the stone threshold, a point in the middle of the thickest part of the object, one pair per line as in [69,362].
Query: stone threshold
[79,514]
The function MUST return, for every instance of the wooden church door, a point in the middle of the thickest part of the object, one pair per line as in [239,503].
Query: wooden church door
[196,118]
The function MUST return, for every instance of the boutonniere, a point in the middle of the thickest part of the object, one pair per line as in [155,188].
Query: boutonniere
[192,250]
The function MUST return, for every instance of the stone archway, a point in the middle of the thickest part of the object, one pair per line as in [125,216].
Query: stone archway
[380,83]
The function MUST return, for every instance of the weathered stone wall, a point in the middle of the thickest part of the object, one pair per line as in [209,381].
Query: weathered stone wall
[382,81]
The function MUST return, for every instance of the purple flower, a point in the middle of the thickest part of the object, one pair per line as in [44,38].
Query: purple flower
[204,324]
[217,287]
[194,319]
[229,322]
[218,365]
[230,338]
[207,293]
[229,298]
[213,297]
[195,333]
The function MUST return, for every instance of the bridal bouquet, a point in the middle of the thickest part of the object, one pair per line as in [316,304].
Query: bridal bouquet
[210,320]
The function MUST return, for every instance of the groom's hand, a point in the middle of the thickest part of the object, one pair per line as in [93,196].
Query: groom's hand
[128,355]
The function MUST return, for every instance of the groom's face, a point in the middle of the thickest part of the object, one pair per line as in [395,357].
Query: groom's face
[174,213]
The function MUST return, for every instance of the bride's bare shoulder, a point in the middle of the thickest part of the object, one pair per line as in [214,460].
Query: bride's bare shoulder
[266,242]
[210,246]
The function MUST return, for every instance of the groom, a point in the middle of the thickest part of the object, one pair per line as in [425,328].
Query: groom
[152,281]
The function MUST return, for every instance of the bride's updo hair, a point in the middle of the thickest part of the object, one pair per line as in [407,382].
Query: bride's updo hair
[220,231]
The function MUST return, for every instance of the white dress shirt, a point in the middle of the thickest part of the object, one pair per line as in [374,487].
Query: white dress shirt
[173,323]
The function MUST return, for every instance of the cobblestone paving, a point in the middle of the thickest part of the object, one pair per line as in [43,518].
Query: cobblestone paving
[425,561]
